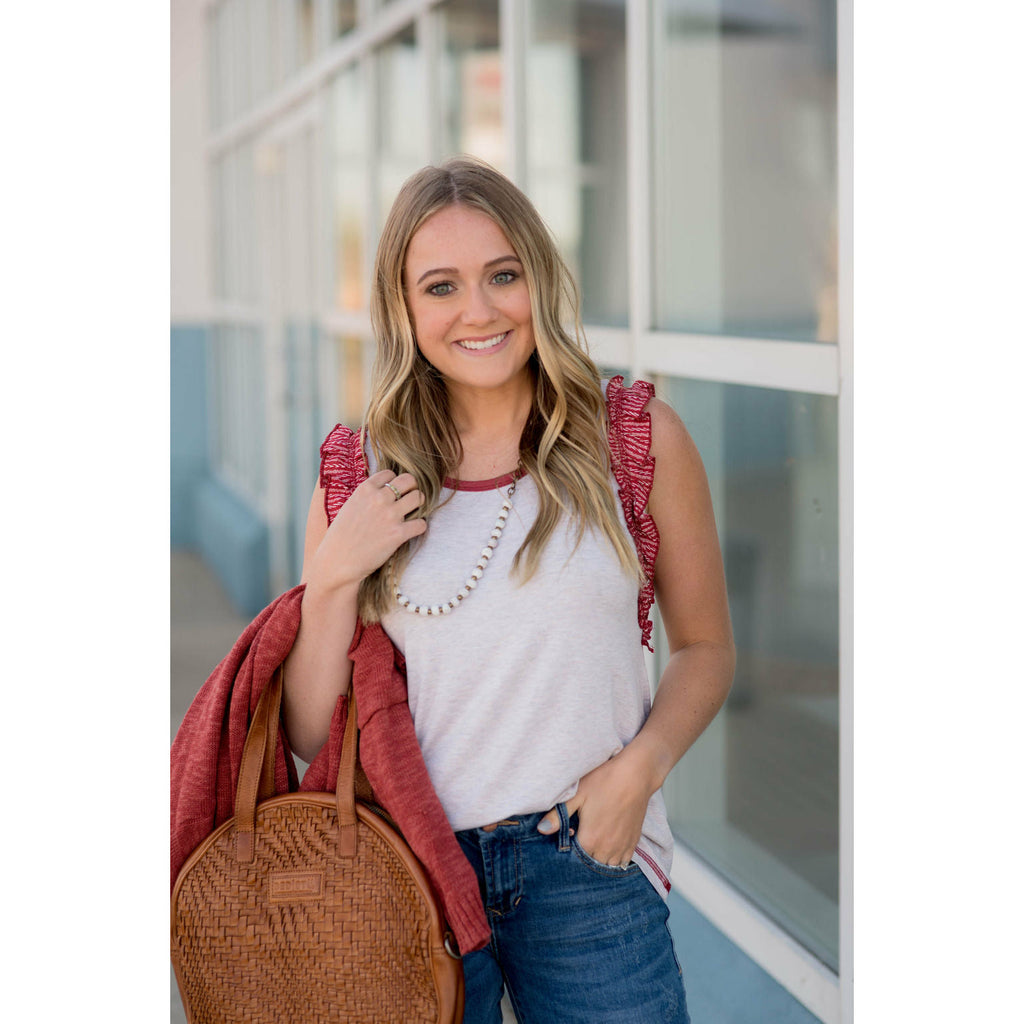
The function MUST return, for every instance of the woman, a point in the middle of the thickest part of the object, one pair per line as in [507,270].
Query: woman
[489,541]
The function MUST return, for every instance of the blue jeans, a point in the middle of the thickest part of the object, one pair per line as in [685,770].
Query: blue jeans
[572,940]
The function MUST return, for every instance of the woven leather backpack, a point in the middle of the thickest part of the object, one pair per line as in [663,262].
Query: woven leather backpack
[309,907]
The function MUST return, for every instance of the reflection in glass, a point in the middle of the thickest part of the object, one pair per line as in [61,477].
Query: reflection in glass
[238,428]
[745,168]
[260,35]
[234,216]
[758,795]
[349,128]
[576,143]
[471,81]
[344,16]
[352,359]
[306,30]
[402,128]
[213,65]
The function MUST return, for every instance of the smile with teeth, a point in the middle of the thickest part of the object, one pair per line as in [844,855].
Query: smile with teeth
[484,343]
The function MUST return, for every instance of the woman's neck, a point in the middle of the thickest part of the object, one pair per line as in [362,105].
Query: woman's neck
[490,425]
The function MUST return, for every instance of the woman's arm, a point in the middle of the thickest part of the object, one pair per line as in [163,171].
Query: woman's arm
[367,530]
[689,583]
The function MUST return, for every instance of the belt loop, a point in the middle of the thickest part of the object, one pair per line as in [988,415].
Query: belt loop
[563,831]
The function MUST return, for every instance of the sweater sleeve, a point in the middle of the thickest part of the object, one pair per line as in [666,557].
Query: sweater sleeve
[343,467]
[629,440]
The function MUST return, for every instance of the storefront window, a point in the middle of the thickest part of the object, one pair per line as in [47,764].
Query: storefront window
[471,81]
[576,143]
[213,68]
[745,168]
[758,794]
[344,16]
[238,426]
[349,128]
[233,208]
[353,357]
[402,126]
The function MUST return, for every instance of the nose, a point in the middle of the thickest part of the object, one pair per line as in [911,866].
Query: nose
[479,309]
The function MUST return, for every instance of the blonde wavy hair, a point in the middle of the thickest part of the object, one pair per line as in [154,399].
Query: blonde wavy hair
[564,445]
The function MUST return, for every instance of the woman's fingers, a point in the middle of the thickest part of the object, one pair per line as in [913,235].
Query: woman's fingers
[401,490]
[404,483]
[409,502]
[549,823]
[370,527]
[386,480]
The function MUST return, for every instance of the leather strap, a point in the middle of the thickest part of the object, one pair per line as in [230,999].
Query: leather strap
[259,750]
[345,789]
[256,774]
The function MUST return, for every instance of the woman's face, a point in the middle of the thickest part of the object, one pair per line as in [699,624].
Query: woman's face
[468,300]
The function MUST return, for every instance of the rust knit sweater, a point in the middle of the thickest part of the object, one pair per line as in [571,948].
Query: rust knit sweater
[207,751]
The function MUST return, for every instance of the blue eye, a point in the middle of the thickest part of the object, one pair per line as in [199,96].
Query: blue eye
[440,289]
[505,277]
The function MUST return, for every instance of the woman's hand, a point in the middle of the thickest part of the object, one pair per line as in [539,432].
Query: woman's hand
[611,801]
[367,531]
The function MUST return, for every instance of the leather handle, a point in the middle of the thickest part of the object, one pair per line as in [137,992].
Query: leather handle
[345,790]
[258,754]
[256,775]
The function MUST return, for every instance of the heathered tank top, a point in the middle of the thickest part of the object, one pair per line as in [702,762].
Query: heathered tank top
[524,687]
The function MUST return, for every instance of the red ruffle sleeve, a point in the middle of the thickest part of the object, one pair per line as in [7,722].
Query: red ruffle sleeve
[629,438]
[343,467]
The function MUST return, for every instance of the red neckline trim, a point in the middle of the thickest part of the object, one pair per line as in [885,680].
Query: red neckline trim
[483,485]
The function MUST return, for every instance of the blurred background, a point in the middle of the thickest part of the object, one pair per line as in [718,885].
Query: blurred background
[685,153]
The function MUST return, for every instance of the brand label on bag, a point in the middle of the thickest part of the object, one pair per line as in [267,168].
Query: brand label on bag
[291,886]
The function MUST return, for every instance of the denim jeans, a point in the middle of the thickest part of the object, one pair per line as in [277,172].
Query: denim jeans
[572,940]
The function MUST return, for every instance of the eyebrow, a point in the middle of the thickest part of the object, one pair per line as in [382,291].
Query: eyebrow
[455,270]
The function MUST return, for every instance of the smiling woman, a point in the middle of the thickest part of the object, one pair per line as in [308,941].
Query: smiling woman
[491,443]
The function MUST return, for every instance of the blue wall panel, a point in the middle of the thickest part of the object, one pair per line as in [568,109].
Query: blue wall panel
[189,429]
[234,542]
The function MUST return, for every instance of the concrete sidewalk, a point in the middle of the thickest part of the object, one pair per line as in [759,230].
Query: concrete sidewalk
[203,628]
[723,985]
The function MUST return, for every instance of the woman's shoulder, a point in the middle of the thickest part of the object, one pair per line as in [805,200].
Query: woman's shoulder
[648,425]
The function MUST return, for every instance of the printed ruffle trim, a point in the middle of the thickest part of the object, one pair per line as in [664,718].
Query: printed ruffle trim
[342,467]
[629,439]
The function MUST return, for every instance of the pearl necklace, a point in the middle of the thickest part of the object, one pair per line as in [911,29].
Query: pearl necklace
[474,577]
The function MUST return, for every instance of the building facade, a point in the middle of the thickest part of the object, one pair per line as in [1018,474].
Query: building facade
[692,157]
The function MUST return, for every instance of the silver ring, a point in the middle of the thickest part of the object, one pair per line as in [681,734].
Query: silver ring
[394,490]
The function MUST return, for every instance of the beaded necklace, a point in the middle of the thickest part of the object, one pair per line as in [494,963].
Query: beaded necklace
[474,577]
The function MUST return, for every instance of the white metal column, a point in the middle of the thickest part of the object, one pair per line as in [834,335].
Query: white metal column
[846,543]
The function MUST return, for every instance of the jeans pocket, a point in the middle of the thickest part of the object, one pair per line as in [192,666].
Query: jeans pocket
[599,867]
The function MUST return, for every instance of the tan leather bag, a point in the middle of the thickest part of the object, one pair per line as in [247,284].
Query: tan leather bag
[309,907]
